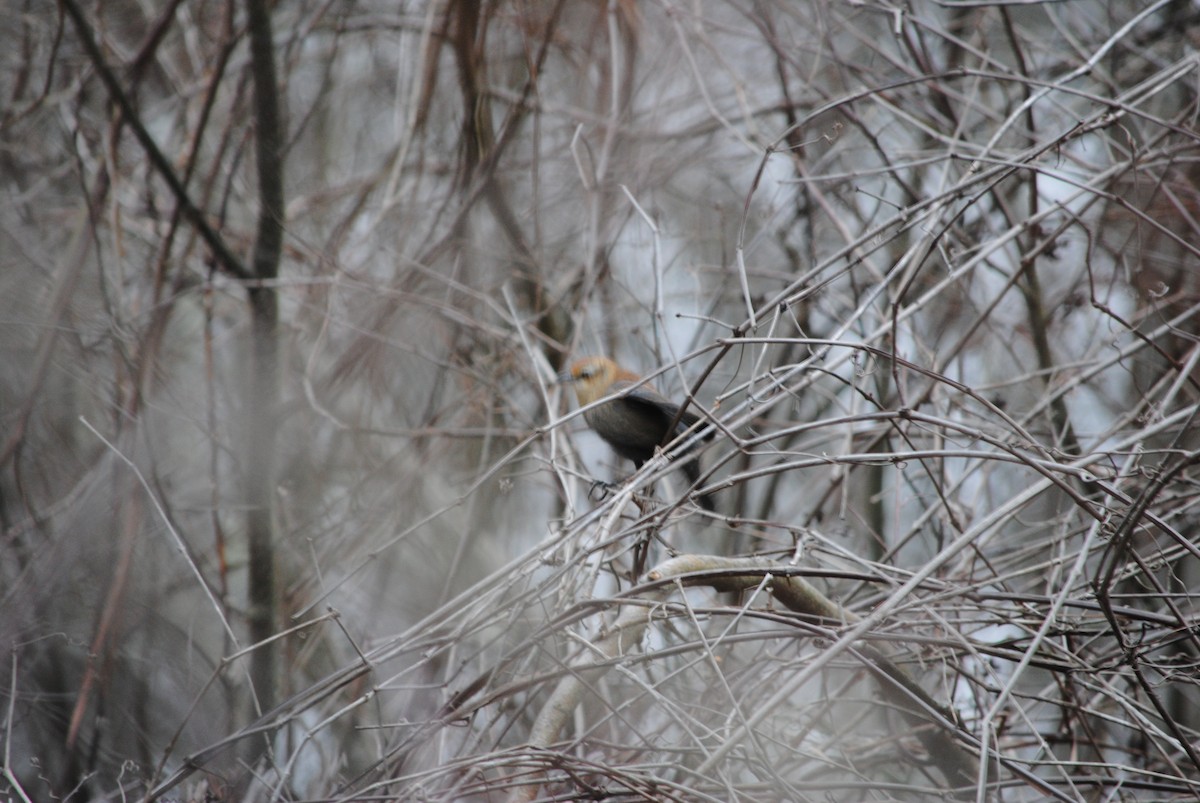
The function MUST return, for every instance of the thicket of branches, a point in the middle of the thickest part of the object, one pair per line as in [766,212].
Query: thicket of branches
[293,507]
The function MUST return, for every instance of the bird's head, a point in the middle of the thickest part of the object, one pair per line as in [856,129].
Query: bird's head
[592,377]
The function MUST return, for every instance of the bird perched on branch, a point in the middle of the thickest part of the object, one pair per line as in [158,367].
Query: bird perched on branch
[638,420]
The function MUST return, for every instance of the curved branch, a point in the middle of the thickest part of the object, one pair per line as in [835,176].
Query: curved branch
[225,257]
[933,724]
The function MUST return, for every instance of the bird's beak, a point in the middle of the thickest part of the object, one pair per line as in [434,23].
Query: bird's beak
[565,378]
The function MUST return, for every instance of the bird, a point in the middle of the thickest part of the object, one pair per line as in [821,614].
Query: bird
[636,421]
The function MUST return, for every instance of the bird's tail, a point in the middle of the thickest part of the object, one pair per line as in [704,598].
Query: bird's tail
[692,469]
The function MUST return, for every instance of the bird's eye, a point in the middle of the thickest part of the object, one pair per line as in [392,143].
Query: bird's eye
[587,372]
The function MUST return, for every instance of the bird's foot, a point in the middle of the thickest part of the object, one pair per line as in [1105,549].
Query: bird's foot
[600,490]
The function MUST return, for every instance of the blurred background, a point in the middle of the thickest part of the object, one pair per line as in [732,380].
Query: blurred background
[292,506]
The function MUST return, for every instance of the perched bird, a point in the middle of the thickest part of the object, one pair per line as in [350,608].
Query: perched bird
[635,423]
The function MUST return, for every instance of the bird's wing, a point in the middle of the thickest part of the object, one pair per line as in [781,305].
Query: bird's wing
[652,401]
